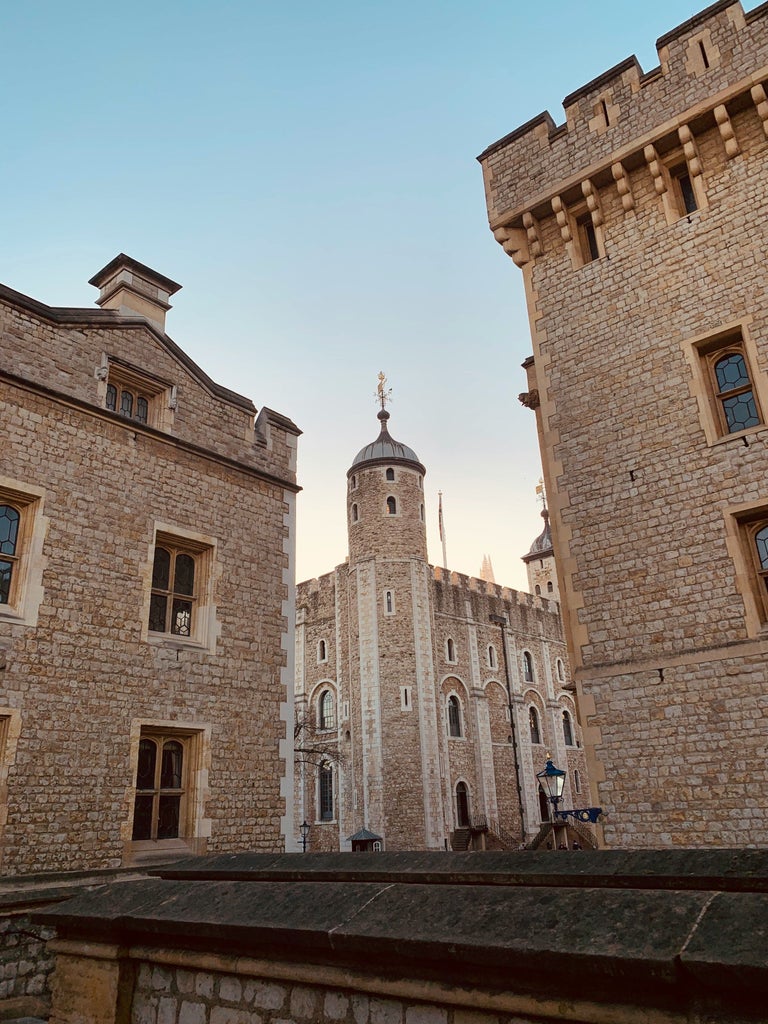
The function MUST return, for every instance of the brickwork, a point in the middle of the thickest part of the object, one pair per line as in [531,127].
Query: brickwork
[648,496]
[83,675]
[401,640]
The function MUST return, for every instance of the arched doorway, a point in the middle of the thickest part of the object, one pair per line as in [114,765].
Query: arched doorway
[462,806]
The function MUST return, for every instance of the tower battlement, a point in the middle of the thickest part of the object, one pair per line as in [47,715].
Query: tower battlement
[707,62]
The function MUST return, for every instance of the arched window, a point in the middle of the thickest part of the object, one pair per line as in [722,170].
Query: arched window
[462,805]
[537,590]
[550,587]
[355,514]
[353,482]
[10,519]
[327,711]
[533,719]
[492,662]
[421,481]
[391,506]
[325,792]
[734,392]
[560,670]
[454,716]
[577,780]
[567,729]
[450,650]
[389,602]
[322,651]
[390,474]
[527,667]
[421,513]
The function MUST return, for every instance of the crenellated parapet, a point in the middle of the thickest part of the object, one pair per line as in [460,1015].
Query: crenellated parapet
[710,68]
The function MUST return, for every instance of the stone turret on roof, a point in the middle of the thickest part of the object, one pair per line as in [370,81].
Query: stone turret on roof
[542,546]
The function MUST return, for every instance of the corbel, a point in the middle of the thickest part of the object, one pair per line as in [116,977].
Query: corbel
[514,242]
[591,195]
[690,151]
[761,103]
[656,168]
[562,218]
[727,133]
[532,233]
[621,178]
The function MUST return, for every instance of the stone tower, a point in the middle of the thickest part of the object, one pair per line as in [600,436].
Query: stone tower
[540,564]
[389,610]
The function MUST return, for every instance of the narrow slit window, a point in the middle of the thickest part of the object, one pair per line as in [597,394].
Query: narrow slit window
[590,250]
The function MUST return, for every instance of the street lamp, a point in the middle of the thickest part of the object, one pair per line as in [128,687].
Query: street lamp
[501,620]
[552,781]
[304,829]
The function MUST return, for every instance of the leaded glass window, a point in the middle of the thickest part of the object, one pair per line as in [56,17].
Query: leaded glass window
[567,729]
[325,787]
[761,546]
[734,392]
[173,592]
[527,667]
[159,788]
[111,397]
[10,520]
[533,721]
[327,716]
[454,716]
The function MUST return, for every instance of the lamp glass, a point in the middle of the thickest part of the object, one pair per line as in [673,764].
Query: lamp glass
[552,780]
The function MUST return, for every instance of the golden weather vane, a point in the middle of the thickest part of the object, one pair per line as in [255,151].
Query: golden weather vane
[383,393]
[541,493]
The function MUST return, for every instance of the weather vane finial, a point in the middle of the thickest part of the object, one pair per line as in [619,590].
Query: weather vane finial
[542,494]
[383,393]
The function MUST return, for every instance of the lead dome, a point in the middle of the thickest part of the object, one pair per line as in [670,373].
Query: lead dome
[386,449]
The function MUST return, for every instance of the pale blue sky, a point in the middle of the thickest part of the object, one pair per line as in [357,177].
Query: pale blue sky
[307,172]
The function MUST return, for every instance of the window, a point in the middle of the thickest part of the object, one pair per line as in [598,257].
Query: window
[405,698]
[22,530]
[174,593]
[492,660]
[567,729]
[560,670]
[527,667]
[353,482]
[326,711]
[421,513]
[389,602]
[325,792]
[537,590]
[450,650]
[390,474]
[136,395]
[728,380]
[684,191]
[421,482]
[587,236]
[322,651]
[355,514]
[577,780]
[533,720]
[454,716]
[10,522]
[550,586]
[161,774]
[391,506]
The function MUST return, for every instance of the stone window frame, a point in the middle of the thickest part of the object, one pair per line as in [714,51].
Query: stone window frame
[455,726]
[322,651]
[742,523]
[588,238]
[568,728]
[122,376]
[703,352]
[406,698]
[355,512]
[389,475]
[388,601]
[195,827]
[325,814]
[326,709]
[560,670]
[26,593]
[10,730]
[493,658]
[529,671]
[534,722]
[390,506]
[450,651]
[203,548]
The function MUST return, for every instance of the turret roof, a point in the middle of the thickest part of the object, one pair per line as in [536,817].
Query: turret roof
[386,449]
[542,546]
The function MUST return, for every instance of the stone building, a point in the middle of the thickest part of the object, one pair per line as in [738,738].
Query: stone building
[146,600]
[640,228]
[426,700]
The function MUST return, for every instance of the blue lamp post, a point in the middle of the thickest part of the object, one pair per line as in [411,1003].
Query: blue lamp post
[552,781]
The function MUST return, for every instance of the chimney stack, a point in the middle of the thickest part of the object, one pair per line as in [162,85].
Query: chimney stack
[132,289]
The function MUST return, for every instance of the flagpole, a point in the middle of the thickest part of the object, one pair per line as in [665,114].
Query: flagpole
[442,526]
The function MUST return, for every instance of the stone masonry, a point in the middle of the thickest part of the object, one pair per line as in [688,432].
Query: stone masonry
[640,228]
[88,673]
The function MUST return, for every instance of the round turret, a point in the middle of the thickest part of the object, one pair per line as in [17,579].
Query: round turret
[540,563]
[385,500]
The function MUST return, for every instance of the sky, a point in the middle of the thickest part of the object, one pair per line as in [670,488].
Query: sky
[307,172]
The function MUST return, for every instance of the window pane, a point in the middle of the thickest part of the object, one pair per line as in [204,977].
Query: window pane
[181,623]
[9,529]
[731,372]
[741,412]
[126,403]
[142,817]
[761,539]
[111,397]
[161,570]
[145,771]
[168,812]
[454,719]
[6,572]
[567,730]
[170,770]
[142,408]
[158,606]
[184,577]
[326,794]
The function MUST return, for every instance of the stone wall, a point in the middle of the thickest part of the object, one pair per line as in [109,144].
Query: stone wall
[25,965]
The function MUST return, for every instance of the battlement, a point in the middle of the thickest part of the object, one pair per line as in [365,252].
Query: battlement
[473,589]
[708,61]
